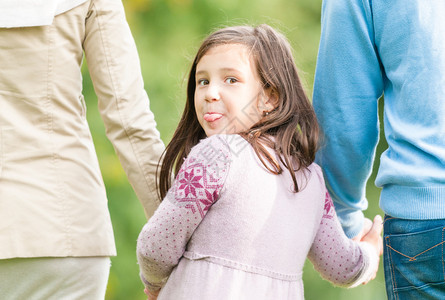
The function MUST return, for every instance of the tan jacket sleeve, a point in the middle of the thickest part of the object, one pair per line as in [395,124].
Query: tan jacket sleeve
[115,70]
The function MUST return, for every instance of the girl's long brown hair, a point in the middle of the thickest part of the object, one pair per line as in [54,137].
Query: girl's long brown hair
[291,129]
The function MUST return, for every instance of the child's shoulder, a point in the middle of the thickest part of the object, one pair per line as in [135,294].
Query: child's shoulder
[215,148]
[315,170]
[226,139]
[314,167]
[226,143]
[211,158]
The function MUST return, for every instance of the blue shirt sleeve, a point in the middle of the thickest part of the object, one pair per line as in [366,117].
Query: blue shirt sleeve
[348,83]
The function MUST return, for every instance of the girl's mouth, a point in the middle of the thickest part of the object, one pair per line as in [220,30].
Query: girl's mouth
[211,117]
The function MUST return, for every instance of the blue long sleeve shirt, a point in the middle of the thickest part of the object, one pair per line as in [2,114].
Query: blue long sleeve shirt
[370,48]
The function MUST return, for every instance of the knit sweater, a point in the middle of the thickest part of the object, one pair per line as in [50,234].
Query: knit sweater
[229,229]
[396,48]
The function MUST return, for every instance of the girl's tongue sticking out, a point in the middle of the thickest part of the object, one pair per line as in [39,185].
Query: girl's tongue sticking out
[210,117]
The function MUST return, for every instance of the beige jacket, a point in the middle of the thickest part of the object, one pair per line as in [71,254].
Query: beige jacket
[52,196]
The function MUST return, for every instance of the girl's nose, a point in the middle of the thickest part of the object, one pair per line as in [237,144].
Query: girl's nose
[212,93]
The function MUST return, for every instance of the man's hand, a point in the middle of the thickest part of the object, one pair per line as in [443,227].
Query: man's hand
[367,224]
[374,238]
[374,235]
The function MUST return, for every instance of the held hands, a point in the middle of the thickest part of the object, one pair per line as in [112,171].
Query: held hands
[152,295]
[367,224]
[372,234]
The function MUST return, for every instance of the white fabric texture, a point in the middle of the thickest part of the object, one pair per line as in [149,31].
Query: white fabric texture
[48,278]
[27,13]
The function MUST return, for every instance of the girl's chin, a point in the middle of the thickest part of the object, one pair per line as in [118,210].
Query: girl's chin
[214,128]
[209,133]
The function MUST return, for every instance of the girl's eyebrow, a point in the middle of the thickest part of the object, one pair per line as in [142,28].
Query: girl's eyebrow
[228,69]
[200,73]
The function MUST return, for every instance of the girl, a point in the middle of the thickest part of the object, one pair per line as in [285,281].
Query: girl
[247,205]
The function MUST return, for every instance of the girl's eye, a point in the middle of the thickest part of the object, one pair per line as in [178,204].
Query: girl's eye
[203,82]
[231,80]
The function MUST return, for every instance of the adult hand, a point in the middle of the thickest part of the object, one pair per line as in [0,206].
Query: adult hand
[374,238]
[374,235]
[367,224]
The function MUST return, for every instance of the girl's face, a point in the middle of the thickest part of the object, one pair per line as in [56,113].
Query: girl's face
[229,97]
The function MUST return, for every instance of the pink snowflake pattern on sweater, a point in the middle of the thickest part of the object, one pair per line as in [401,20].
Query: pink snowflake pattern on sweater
[199,181]
[329,210]
[189,183]
[197,187]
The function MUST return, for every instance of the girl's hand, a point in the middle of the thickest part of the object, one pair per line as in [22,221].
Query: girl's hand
[152,295]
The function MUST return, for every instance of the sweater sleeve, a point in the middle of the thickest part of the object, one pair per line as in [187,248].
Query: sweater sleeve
[197,186]
[114,66]
[338,259]
[348,82]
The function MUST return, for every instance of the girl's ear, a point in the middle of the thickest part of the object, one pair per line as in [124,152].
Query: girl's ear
[269,101]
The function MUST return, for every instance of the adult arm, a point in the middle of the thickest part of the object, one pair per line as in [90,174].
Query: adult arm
[348,83]
[124,106]
[197,186]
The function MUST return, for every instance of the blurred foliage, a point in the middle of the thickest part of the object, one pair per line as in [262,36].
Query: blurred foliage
[167,33]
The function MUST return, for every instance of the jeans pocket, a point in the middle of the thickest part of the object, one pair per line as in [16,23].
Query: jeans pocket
[416,260]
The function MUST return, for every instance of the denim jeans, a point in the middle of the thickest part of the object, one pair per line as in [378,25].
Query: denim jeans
[413,258]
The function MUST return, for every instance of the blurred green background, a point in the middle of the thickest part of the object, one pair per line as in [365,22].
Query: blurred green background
[167,34]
